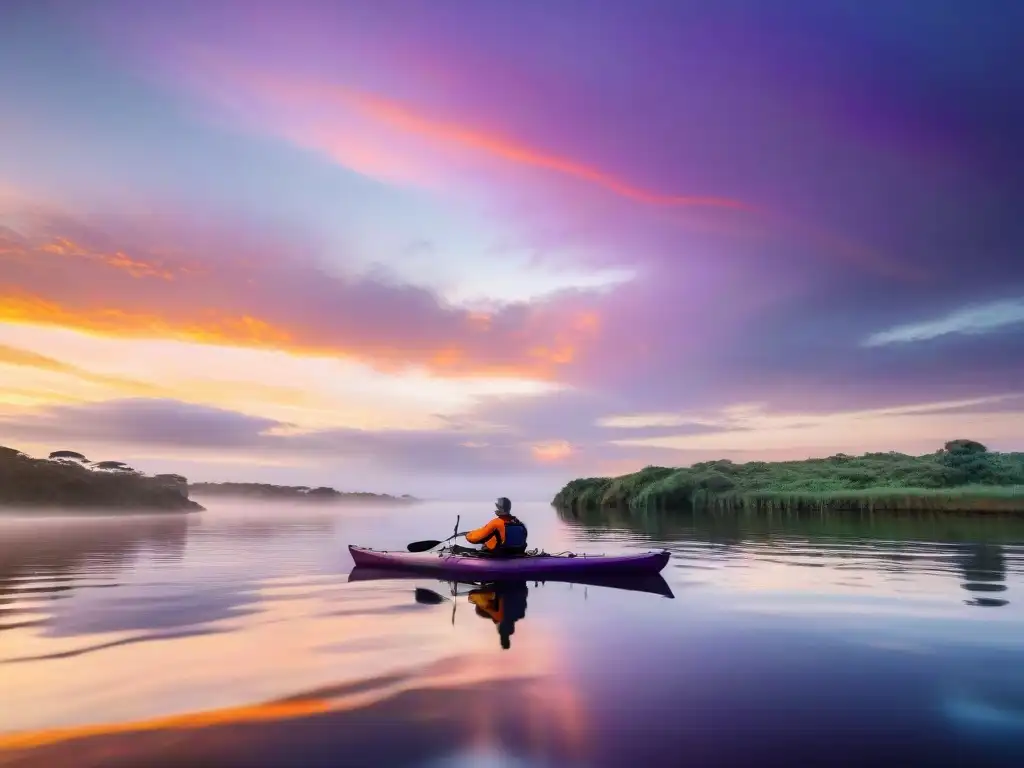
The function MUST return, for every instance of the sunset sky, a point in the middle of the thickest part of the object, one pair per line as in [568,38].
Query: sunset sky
[471,248]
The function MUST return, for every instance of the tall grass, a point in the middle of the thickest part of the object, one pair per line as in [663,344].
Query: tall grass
[962,477]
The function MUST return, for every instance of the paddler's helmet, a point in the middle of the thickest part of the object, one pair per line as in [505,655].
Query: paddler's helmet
[502,506]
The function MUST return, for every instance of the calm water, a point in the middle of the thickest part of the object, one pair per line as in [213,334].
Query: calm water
[234,637]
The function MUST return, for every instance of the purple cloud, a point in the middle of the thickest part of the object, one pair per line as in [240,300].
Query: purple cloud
[858,185]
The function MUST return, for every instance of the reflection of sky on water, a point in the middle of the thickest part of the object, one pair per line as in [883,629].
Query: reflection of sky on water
[757,653]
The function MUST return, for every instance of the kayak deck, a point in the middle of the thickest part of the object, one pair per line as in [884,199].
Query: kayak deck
[520,565]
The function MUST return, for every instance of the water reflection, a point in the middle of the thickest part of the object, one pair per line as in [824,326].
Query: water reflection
[240,637]
[46,559]
[851,551]
[55,549]
[504,601]
[984,569]
[43,560]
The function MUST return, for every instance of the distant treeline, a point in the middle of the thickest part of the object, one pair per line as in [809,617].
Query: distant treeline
[269,491]
[67,479]
[964,476]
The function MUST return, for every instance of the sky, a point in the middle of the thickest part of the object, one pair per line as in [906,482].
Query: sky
[479,248]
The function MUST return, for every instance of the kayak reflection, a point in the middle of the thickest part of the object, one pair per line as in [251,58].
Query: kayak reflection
[504,601]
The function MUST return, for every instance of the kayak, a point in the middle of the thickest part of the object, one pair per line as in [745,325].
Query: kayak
[651,583]
[529,566]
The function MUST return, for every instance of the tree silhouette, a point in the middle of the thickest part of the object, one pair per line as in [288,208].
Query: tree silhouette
[115,466]
[70,455]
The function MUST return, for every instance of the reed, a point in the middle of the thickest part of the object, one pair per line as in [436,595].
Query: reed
[883,527]
[963,477]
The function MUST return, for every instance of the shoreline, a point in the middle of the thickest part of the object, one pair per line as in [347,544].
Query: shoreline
[68,483]
[962,478]
[272,492]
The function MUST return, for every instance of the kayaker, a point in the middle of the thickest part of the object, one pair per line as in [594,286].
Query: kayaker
[505,534]
[502,603]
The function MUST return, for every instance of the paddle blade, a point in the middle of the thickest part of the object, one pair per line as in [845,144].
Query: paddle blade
[426,596]
[422,546]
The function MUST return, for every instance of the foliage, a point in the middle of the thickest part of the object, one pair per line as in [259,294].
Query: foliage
[963,475]
[66,479]
[267,491]
[69,455]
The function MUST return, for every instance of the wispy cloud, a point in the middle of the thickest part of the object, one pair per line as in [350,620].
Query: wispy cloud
[132,424]
[556,450]
[276,298]
[324,109]
[971,320]
[405,119]
[397,142]
[244,193]
[26,358]
[752,427]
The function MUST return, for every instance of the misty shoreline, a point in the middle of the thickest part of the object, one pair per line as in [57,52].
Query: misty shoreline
[66,482]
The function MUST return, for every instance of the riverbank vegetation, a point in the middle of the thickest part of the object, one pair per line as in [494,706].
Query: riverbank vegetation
[268,492]
[68,480]
[963,477]
[752,526]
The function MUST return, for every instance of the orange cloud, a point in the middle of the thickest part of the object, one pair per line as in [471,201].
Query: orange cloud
[278,301]
[243,331]
[250,332]
[25,358]
[553,451]
[62,246]
[199,389]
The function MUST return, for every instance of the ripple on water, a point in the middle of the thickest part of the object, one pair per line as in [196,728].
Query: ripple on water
[243,615]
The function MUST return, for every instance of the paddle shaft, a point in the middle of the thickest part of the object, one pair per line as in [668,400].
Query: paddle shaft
[423,546]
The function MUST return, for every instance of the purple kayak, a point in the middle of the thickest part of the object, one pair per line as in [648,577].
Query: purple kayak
[527,566]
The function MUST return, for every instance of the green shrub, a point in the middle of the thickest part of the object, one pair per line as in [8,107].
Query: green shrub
[963,474]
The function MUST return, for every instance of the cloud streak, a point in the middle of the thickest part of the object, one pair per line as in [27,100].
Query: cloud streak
[371,133]
[978,319]
[756,427]
[141,424]
[278,299]
[276,174]
[403,118]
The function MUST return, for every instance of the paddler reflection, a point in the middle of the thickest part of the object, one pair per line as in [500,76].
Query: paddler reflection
[504,603]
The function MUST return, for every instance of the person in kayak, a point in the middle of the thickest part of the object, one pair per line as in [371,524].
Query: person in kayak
[505,534]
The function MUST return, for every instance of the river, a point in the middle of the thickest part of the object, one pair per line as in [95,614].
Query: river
[234,637]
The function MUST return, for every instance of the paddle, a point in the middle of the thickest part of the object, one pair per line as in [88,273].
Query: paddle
[426,596]
[423,546]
